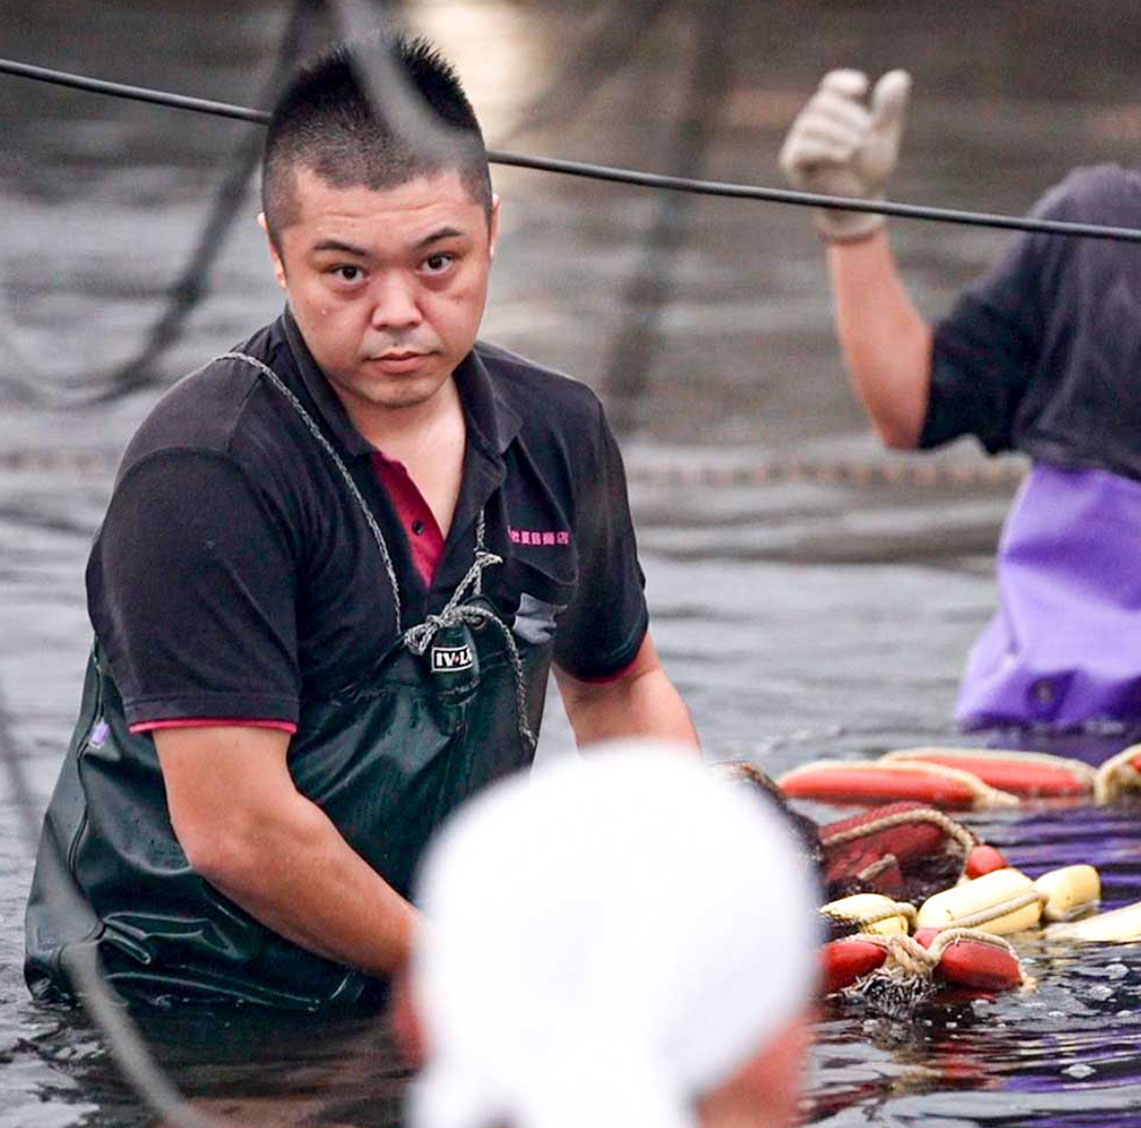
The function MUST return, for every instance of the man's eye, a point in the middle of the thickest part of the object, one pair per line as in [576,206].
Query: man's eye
[348,273]
[438,263]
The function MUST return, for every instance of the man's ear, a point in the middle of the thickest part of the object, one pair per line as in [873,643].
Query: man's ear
[274,254]
[493,238]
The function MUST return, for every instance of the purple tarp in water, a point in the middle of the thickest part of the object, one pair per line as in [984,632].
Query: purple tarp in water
[1064,648]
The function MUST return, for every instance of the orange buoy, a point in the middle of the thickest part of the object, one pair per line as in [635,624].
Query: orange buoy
[984,859]
[848,959]
[973,960]
[1031,774]
[849,781]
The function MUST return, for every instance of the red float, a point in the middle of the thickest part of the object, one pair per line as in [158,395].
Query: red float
[974,961]
[984,859]
[848,959]
[1029,774]
[841,781]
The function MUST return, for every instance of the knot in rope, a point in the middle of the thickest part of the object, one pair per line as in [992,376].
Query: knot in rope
[455,612]
[907,954]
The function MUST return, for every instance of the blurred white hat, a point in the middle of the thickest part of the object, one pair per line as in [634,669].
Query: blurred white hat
[608,938]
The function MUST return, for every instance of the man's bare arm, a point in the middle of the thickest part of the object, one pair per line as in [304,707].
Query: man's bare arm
[249,832]
[642,702]
[885,340]
[845,144]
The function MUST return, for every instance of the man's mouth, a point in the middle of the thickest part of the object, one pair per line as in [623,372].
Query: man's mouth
[400,360]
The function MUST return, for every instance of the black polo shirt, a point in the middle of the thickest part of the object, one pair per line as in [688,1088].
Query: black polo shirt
[234,578]
[1043,355]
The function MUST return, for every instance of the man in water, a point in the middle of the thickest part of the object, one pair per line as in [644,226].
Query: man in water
[1041,356]
[337,567]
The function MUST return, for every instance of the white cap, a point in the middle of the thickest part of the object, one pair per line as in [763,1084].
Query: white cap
[608,938]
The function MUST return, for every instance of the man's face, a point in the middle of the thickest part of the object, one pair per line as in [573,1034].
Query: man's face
[388,287]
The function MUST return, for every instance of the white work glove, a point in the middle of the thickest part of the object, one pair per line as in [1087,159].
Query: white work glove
[838,146]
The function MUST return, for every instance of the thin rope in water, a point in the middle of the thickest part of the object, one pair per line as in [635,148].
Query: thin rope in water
[855,472]
[612,174]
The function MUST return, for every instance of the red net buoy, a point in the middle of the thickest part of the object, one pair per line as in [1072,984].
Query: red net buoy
[848,959]
[879,781]
[973,960]
[1029,774]
[904,850]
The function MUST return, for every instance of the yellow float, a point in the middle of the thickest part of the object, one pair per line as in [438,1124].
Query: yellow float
[1121,925]
[872,913]
[1069,892]
[1000,902]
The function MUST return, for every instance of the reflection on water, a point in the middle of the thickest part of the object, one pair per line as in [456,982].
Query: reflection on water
[799,618]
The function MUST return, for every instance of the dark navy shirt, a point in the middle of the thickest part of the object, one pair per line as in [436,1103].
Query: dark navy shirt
[1043,355]
[234,577]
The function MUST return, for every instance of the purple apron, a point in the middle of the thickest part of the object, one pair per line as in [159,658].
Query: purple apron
[1064,648]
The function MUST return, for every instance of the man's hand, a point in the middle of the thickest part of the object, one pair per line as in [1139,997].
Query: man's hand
[247,830]
[838,146]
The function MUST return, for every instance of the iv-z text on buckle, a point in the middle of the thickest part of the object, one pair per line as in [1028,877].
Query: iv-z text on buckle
[448,659]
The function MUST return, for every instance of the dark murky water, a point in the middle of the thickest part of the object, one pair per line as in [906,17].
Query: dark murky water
[799,618]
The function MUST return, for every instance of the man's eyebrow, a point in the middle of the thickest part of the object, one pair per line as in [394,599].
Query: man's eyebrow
[343,248]
[436,236]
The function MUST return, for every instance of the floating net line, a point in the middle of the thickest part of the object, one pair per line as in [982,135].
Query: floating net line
[871,473]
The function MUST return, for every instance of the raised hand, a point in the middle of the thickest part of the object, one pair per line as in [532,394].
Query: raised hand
[840,146]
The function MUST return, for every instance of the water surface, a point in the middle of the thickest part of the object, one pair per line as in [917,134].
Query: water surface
[801,616]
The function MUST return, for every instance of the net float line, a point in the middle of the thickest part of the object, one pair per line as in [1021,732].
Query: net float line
[775,471]
[966,777]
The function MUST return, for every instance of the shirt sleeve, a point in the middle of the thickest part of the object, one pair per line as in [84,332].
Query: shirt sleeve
[191,590]
[603,629]
[985,352]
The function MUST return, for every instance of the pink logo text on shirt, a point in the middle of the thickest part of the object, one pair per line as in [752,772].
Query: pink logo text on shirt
[537,537]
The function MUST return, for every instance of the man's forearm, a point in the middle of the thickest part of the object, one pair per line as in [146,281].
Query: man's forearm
[297,875]
[248,831]
[644,704]
[885,340]
[304,881]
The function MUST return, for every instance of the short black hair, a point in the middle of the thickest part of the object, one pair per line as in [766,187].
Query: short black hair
[325,121]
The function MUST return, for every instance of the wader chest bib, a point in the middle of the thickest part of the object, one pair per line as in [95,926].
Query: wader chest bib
[1064,648]
[449,707]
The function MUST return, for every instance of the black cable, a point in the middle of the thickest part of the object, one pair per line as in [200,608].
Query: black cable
[619,175]
[132,93]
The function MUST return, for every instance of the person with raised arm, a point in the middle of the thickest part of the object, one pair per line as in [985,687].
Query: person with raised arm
[1040,356]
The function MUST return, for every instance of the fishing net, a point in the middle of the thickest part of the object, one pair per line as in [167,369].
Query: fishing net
[907,851]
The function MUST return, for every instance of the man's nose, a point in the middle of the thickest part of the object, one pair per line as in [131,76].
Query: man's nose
[395,303]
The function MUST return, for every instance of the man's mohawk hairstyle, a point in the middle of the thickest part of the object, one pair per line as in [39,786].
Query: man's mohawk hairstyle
[375,113]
